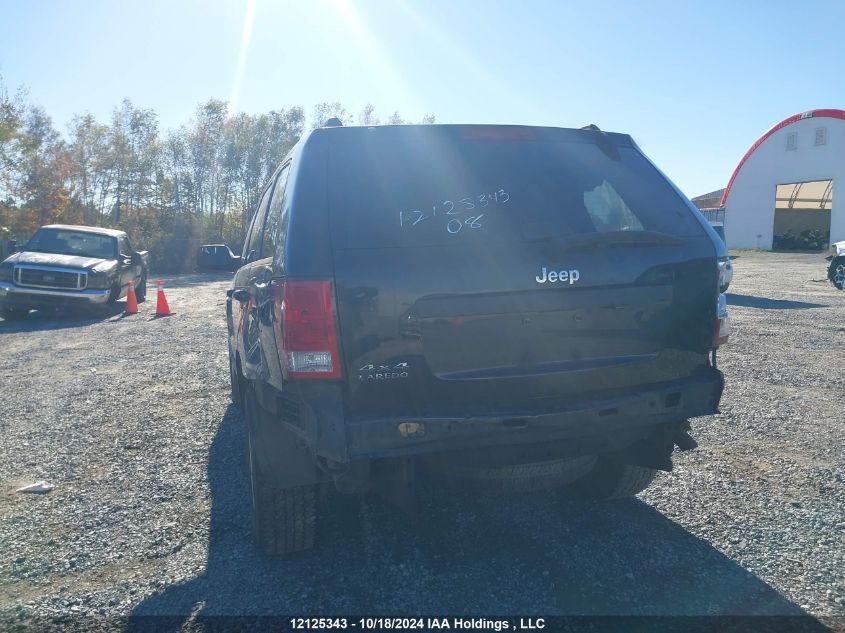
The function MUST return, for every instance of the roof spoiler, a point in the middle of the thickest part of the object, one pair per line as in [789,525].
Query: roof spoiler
[603,142]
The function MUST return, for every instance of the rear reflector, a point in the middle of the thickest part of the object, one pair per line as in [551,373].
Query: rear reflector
[306,330]
[497,133]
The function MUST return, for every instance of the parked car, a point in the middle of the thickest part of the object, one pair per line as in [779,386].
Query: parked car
[836,270]
[64,265]
[511,307]
[217,257]
[7,247]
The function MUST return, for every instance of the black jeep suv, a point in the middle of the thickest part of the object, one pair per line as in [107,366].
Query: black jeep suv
[512,307]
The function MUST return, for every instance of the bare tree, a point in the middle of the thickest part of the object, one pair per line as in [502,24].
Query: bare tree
[367,116]
[324,111]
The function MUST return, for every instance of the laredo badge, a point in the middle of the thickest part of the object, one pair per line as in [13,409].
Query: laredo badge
[383,372]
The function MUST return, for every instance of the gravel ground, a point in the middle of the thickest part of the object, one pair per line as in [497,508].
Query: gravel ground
[129,418]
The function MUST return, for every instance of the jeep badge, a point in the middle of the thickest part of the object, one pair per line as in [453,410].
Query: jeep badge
[553,276]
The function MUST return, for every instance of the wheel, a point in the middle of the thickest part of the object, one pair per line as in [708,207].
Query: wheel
[13,314]
[114,293]
[141,289]
[837,272]
[285,517]
[611,479]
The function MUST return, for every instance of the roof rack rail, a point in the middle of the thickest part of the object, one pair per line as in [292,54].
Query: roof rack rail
[333,122]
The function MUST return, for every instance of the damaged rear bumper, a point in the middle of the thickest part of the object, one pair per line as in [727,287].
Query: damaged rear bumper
[578,421]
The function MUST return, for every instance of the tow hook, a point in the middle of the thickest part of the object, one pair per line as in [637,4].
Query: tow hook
[683,440]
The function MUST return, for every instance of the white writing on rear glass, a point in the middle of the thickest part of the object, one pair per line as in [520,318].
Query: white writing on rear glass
[467,212]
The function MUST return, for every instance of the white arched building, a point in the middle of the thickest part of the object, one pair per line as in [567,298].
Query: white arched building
[784,185]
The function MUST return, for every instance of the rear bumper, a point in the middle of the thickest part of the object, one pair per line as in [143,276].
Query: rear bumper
[16,297]
[659,404]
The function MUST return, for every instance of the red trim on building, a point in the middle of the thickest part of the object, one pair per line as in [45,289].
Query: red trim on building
[829,113]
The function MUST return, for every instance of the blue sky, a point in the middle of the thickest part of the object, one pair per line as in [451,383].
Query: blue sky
[695,83]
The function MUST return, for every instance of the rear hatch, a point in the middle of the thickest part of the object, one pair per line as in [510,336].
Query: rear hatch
[496,270]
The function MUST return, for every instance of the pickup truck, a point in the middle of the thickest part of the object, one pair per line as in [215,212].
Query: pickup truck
[64,265]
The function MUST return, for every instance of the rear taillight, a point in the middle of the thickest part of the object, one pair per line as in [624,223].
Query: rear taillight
[306,330]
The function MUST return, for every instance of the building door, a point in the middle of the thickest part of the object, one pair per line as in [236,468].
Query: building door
[802,215]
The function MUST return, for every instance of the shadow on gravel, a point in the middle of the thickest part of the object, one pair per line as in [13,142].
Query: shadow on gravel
[534,554]
[63,318]
[764,303]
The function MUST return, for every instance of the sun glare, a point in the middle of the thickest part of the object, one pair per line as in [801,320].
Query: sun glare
[246,37]
[387,78]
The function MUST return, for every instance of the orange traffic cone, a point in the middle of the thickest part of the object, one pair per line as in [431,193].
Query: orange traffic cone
[162,309]
[131,300]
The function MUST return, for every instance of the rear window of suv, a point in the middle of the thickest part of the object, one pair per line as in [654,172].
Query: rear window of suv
[421,187]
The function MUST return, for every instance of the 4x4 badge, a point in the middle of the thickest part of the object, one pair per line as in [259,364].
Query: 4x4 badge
[383,367]
[383,372]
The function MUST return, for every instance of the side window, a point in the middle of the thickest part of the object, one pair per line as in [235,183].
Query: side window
[123,245]
[275,227]
[252,242]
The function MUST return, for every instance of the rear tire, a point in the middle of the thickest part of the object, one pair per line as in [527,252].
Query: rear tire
[13,314]
[285,517]
[141,290]
[611,479]
[114,294]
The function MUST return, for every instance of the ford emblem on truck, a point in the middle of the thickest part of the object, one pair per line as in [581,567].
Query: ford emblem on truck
[553,276]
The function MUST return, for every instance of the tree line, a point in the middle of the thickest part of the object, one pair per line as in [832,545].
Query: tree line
[171,190]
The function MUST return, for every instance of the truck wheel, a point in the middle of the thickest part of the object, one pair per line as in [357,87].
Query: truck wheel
[285,517]
[114,294]
[13,314]
[611,479]
[837,272]
[141,289]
